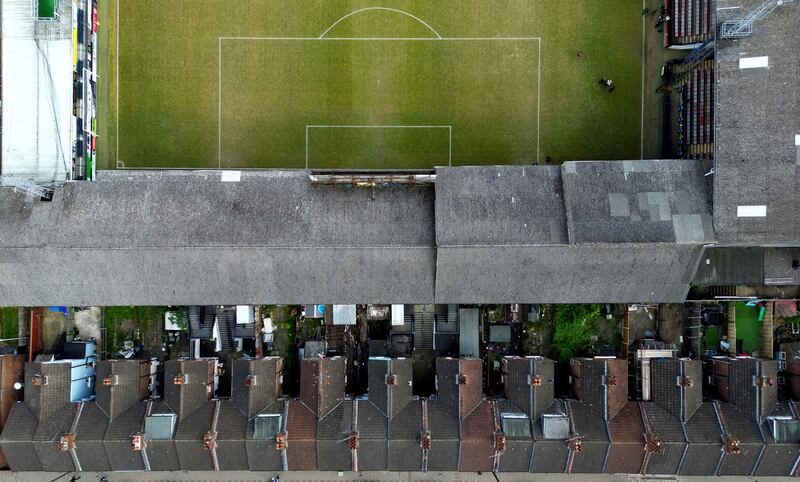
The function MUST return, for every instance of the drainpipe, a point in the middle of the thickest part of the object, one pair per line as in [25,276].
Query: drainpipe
[767,350]
[732,328]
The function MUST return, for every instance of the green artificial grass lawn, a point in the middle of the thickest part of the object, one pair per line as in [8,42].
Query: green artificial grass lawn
[512,101]
[748,328]
[710,339]
[9,321]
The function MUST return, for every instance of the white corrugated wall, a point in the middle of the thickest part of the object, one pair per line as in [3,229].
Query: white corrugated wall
[36,94]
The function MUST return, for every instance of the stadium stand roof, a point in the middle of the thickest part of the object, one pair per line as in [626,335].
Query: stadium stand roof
[757,129]
[160,237]
[637,202]
[493,234]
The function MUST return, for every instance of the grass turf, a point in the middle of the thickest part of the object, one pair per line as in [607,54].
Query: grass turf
[9,323]
[487,91]
[748,328]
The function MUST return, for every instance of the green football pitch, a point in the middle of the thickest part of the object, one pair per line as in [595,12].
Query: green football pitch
[335,84]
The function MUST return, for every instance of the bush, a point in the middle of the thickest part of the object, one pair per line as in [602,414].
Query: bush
[574,326]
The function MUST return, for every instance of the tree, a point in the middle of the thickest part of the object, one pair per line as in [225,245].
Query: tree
[574,325]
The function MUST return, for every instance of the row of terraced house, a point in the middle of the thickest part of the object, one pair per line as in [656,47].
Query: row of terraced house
[125,426]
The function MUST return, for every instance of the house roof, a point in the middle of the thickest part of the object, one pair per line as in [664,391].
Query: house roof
[704,427]
[372,427]
[128,378]
[477,439]
[47,436]
[255,383]
[189,434]
[333,432]
[668,429]
[16,439]
[626,455]
[301,437]
[754,401]
[117,439]
[779,458]
[443,426]
[637,202]
[529,383]
[679,400]
[601,384]
[757,118]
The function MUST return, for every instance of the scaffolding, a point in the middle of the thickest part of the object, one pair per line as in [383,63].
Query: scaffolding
[27,187]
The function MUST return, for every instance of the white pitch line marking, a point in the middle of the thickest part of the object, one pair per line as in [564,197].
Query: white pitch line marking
[539,104]
[384,9]
[219,103]
[117,78]
[641,128]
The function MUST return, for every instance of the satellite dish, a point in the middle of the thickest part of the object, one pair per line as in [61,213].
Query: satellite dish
[17,385]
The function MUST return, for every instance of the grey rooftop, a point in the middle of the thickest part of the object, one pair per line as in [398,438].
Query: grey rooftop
[488,234]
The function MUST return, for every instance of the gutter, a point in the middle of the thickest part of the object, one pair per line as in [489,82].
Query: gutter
[213,433]
[73,431]
[141,431]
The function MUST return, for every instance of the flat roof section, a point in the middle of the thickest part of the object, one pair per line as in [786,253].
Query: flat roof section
[757,122]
